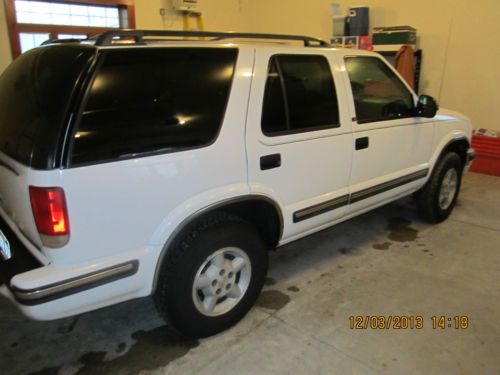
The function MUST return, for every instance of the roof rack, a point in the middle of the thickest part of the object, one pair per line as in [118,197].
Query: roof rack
[61,41]
[109,38]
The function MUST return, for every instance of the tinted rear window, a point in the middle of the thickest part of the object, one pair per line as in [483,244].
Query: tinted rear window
[35,93]
[154,100]
[299,96]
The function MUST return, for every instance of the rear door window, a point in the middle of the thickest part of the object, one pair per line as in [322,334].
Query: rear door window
[154,100]
[299,95]
[379,94]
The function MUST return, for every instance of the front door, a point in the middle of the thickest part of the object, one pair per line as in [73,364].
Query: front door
[299,137]
[391,146]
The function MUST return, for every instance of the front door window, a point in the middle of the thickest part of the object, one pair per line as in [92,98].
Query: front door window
[379,94]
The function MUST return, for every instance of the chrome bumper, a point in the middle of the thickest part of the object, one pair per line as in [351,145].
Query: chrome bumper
[74,285]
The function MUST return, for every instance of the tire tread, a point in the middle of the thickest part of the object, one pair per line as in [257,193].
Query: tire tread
[426,197]
[175,256]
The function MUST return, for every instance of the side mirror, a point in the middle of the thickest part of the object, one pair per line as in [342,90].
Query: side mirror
[426,106]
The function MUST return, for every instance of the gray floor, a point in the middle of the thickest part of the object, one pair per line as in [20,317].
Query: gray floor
[385,263]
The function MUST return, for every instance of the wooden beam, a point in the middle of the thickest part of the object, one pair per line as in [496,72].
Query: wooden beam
[126,13]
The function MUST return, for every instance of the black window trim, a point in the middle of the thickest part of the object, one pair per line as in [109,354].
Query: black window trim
[285,99]
[362,122]
[77,115]
[79,101]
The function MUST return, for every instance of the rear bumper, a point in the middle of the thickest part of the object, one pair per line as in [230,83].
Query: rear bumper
[67,287]
[46,292]
[50,292]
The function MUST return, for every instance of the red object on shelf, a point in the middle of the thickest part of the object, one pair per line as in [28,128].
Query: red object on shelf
[487,159]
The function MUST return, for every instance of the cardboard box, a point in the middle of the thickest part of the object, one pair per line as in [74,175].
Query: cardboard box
[487,153]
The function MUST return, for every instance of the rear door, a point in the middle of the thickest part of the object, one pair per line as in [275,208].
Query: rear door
[391,146]
[298,137]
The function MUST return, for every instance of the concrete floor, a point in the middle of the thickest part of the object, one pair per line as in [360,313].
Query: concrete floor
[386,262]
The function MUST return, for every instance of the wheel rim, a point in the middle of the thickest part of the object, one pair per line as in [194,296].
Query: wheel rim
[448,189]
[221,281]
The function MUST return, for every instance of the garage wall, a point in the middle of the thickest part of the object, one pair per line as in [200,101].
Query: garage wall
[5,56]
[459,39]
[218,15]
[471,77]
[433,27]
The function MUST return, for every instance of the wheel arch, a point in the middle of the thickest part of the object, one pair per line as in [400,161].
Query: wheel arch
[458,143]
[459,146]
[251,207]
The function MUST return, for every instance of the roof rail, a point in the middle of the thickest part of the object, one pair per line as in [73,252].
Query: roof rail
[109,37]
[61,41]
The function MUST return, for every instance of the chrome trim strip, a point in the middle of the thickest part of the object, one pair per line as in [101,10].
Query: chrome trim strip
[78,284]
[320,208]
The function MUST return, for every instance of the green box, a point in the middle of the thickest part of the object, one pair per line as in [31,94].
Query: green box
[395,35]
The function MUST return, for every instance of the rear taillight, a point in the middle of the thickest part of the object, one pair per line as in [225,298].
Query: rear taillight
[51,215]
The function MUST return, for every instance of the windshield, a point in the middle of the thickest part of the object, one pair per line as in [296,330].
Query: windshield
[35,96]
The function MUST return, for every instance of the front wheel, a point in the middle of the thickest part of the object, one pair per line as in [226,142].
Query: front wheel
[436,199]
[212,276]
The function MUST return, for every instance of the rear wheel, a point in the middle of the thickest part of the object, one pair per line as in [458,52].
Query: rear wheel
[212,276]
[438,197]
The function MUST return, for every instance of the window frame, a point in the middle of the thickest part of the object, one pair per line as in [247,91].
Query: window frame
[126,12]
[402,82]
[286,108]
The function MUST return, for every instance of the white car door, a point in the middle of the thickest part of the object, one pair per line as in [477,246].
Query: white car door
[299,137]
[391,144]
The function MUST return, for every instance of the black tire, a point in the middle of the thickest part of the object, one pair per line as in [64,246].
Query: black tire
[174,296]
[428,206]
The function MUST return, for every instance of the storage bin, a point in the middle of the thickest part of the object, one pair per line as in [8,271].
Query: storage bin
[357,22]
[394,35]
[487,159]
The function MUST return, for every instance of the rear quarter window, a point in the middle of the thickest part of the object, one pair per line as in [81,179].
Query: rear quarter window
[35,97]
[154,100]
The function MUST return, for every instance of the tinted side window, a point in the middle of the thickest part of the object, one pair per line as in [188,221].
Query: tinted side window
[35,97]
[378,93]
[309,101]
[274,116]
[154,100]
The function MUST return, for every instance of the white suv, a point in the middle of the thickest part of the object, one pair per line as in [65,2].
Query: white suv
[134,166]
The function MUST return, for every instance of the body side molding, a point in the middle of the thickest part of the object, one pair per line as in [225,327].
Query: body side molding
[332,204]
